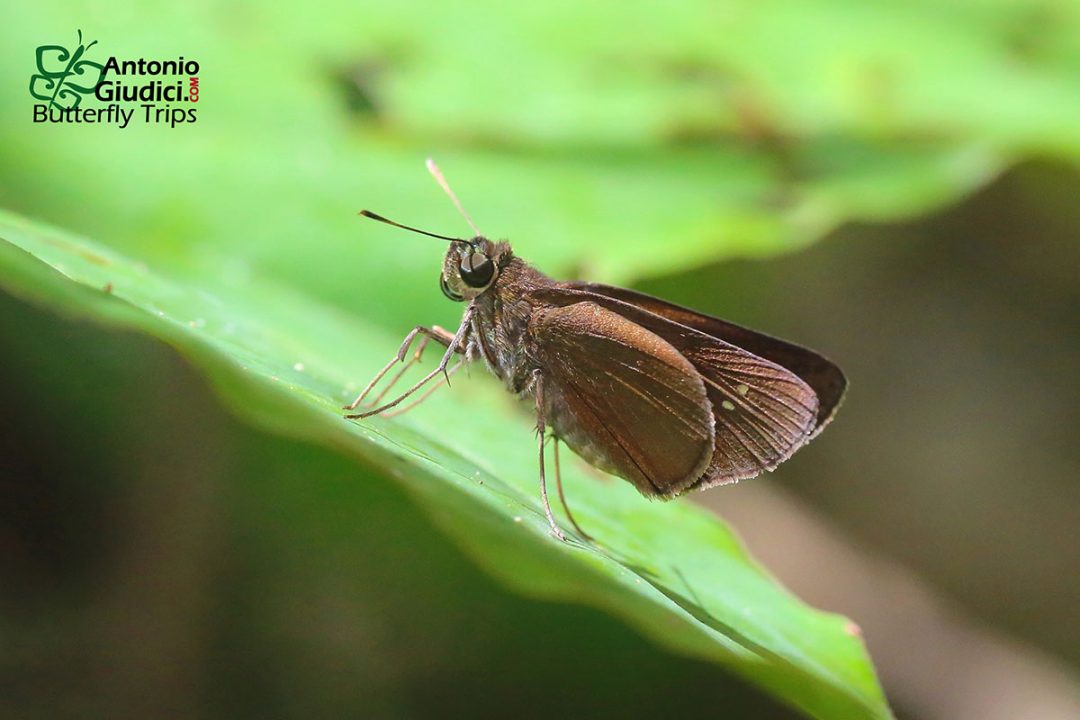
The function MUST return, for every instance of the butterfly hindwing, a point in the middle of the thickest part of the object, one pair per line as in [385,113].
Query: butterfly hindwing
[762,411]
[623,398]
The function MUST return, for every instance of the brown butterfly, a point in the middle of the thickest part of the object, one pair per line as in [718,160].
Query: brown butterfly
[658,394]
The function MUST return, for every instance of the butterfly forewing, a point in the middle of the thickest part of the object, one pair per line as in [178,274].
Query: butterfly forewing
[825,378]
[623,398]
[762,412]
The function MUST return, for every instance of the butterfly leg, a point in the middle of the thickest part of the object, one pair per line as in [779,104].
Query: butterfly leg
[442,336]
[541,427]
[456,345]
[427,393]
[436,333]
[416,356]
[562,498]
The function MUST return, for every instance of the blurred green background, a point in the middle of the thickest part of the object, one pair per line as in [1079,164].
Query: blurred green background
[894,184]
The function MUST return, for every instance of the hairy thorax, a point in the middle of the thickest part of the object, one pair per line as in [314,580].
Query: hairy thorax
[501,323]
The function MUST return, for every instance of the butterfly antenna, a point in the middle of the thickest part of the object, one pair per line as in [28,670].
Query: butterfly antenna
[439,178]
[380,218]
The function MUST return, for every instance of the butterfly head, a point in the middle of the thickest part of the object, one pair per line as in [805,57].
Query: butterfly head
[471,267]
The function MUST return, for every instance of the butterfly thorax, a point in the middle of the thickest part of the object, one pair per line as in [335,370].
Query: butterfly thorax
[501,322]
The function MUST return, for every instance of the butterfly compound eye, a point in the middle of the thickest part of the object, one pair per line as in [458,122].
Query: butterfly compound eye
[447,291]
[477,269]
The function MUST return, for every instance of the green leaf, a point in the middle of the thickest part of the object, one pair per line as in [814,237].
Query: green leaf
[286,363]
[616,140]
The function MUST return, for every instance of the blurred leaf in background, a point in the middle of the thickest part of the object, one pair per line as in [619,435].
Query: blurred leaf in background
[615,141]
